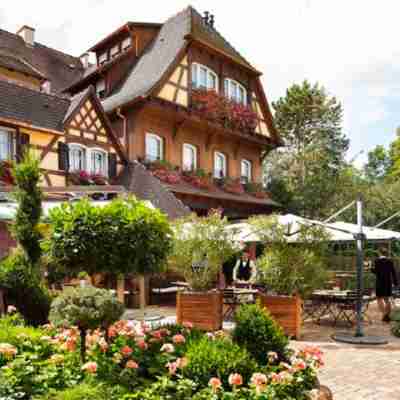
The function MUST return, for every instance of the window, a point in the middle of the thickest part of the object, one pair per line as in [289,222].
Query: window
[204,78]
[245,171]
[103,58]
[154,147]
[219,165]
[101,88]
[6,144]
[189,157]
[114,51]
[126,43]
[235,91]
[98,162]
[77,157]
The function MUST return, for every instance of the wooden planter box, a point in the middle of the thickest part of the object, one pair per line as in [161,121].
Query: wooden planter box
[203,310]
[286,310]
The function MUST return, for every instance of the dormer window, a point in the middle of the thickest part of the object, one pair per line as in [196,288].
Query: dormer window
[204,78]
[126,43]
[114,51]
[102,58]
[101,89]
[235,91]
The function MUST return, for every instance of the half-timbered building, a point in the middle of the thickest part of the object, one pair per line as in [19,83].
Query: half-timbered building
[187,105]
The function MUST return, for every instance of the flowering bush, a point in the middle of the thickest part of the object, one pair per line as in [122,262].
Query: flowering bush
[217,108]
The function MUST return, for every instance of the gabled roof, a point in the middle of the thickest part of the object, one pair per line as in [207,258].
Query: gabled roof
[139,181]
[9,61]
[171,41]
[59,68]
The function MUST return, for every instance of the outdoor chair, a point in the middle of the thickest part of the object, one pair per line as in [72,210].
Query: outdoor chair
[347,311]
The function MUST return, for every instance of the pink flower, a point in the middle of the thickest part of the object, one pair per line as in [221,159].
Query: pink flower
[90,367]
[167,348]
[172,367]
[299,364]
[8,350]
[235,380]
[126,351]
[142,344]
[178,339]
[187,325]
[259,381]
[132,365]
[215,384]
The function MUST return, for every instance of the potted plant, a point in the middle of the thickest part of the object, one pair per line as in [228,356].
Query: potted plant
[290,271]
[231,185]
[200,246]
[256,189]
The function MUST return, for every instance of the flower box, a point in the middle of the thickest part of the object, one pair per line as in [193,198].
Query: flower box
[164,175]
[217,108]
[199,179]
[233,186]
[256,189]
[286,310]
[202,309]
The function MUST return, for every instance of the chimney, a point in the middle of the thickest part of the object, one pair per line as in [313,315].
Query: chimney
[206,17]
[211,20]
[28,34]
[85,60]
[46,87]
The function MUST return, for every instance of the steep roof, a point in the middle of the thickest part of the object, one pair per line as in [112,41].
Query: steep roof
[60,68]
[139,181]
[32,107]
[171,40]
[9,61]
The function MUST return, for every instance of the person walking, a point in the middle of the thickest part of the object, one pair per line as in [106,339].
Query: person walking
[385,278]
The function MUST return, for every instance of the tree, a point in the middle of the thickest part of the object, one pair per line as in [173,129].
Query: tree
[204,242]
[125,236]
[85,308]
[29,196]
[309,121]
[378,164]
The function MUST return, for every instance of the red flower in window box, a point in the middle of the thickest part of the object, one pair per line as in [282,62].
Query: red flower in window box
[171,177]
[199,178]
[6,176]
[80,178]
[99,179]
[257,190]
[233,186]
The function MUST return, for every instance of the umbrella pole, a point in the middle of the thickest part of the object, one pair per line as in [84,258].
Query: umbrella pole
[360,269]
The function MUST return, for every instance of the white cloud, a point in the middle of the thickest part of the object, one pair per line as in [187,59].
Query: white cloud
[351,47]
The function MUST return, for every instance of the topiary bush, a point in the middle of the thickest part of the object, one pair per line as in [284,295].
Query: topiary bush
[25,289]
[217,357]
[257,331]
[85,308]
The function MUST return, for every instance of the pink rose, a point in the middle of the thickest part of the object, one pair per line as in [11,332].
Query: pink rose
[141,344]
[259,381]
[215,384]
[172,367]
[132,365]
[90,367]
[126,351]
[182,362]
[178,339]
[235,380]
[187,325]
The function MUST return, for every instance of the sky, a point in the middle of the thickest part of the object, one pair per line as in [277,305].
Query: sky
[351,47]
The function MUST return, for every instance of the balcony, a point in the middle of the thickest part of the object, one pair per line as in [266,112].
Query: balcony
[218,109]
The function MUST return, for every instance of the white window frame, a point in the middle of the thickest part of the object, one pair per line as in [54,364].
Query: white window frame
[196,71]
[153,136]
[115,51]
[126,43]
[89,155]
[231,91]
[103,58]
[71,146]
[222,156]
[246,164]
[192,165]
[11,143]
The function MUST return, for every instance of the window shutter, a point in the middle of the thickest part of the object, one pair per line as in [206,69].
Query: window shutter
[63,156]
[112,165]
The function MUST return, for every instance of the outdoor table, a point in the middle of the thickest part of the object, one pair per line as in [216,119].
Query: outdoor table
[340,305]
[234,297]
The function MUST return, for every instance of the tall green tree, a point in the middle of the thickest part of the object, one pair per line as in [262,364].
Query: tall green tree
[378,164]
[309,121]
[29,196]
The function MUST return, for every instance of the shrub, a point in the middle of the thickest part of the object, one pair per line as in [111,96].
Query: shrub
[86,308]
[85,391]
[218,357]
[258,333]
[25,289]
